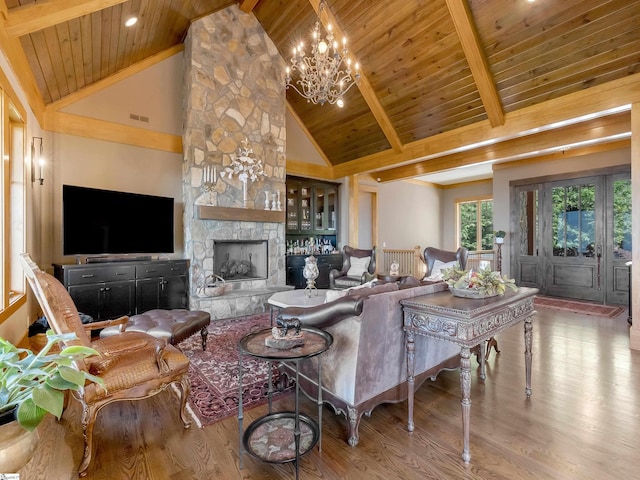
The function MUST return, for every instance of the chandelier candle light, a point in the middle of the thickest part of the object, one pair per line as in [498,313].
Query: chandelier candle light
[247,167]
[324,77]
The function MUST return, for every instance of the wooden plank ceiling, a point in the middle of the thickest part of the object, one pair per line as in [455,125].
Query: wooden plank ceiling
[431,68]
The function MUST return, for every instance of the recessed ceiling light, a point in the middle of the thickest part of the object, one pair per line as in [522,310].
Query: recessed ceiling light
[131,21]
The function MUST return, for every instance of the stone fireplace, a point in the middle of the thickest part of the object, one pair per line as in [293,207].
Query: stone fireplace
[234,93]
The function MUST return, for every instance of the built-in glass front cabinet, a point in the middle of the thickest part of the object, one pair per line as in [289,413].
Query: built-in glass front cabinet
[312,213]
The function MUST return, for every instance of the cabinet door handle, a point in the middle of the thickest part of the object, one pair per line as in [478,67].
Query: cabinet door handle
[120,273]
[150,271]
[88,275]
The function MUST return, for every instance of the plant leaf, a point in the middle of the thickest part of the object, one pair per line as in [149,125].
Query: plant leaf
[29,415]
[49,399]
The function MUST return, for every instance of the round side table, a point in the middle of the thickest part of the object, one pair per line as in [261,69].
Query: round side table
[261,435]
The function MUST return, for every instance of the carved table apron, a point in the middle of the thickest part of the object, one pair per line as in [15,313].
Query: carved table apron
[467,322]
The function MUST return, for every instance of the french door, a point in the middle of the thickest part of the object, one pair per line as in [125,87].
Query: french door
[573,237]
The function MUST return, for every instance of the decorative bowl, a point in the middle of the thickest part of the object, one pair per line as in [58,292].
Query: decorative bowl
[470,293]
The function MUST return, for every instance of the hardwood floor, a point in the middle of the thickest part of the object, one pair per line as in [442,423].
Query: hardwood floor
[582,422]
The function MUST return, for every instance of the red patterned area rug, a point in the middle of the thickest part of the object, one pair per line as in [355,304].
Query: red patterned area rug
[577,306]
[214,373]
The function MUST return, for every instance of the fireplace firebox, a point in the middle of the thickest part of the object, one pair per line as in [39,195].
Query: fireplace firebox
[237,260]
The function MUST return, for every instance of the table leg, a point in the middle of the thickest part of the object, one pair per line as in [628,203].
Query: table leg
[411,356]
[319,405]
[270,385]
[483,359]
[296,428]
[465,387]
[528,335]
[240,415]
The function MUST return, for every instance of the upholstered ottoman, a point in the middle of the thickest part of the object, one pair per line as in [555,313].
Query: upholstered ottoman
[174,325]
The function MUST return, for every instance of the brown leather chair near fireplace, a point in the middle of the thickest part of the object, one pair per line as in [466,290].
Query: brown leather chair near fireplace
[358,267]
[132,365]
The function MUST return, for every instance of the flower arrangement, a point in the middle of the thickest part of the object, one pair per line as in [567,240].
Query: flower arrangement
[245,165]
[479,283]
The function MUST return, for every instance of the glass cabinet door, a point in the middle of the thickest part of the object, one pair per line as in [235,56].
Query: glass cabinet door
[326,201]
[293,207]
[331,204]
[319,212]
[306,222]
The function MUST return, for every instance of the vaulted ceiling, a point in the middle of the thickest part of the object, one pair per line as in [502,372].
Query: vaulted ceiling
[445,83]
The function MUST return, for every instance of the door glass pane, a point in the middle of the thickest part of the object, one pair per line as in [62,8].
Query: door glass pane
[529,223]
[622,219]
[468,225]
[573,224]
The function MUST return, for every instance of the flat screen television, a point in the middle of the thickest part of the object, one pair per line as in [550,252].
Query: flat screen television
[101,222]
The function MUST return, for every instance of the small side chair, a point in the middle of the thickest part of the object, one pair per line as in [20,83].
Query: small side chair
[358,267]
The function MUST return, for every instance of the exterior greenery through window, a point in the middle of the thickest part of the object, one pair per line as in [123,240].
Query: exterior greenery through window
[475,224]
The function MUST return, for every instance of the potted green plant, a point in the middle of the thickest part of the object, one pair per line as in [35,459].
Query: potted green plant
[32,384]
[500,234]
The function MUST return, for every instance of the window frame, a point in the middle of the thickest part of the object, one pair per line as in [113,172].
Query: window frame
[13,154]
[478,200]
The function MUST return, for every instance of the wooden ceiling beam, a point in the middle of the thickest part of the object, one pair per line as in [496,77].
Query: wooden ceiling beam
[468,35]
[47,13]
[592,130]
[595,99]
[366,90]
[22,70]
[247,6]
[95,129]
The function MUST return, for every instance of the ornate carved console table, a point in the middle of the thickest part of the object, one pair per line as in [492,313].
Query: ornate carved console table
[469,323]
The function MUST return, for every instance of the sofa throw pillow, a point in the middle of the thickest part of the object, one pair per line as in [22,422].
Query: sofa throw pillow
[372,289]
[332,295]
[436,271]
[358,266]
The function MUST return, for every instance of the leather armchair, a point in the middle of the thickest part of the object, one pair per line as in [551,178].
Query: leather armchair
[339,279]
[132,365]
[432,254]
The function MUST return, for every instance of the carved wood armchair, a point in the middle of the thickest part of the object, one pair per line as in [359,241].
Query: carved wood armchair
[358,267]
[133,365]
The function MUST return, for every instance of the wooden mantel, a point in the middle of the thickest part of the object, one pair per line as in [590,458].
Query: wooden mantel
[209,212]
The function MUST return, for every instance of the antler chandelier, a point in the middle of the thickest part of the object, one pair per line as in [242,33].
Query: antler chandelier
[325,76]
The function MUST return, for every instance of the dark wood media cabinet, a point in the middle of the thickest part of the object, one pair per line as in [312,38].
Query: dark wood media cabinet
[112,289]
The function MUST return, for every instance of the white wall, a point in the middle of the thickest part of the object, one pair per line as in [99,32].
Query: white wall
[113,166]
[502,177]
[299,147]
[409,214]
[155,92]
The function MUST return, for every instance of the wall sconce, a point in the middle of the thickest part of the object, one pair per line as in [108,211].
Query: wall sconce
[37,160]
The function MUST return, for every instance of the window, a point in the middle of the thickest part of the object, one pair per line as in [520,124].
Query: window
[475,224]
[12,202]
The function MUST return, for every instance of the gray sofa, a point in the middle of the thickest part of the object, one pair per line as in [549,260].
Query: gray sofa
[366,365]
